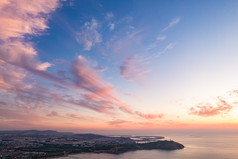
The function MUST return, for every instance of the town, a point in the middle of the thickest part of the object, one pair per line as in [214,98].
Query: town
[43,144]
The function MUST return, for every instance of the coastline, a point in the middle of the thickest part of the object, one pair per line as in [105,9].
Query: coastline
[47,144]
[160,145]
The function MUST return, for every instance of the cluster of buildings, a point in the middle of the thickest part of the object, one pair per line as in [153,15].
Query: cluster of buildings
[38,145]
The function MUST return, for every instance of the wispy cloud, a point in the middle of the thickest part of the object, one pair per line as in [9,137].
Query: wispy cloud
[19,115]
[207,109]
[95,93]
[172,23]
[20,18]
[19,63]
[123,43]
[53,114]
[132,68]
[161,37]
[152,124]
[101,69]
[89,35]
[166,48]
[88,79]
[99,91]
[118,122]
[109,16]
[112,26]
[11,78]
[109,19]
[169,46]
[150,116]
[74,116]
[138,54]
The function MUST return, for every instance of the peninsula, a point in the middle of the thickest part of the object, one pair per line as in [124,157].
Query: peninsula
[43,144]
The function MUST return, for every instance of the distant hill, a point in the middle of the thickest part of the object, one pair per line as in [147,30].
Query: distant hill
[38,133]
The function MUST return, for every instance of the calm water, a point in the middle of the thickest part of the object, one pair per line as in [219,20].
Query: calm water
[210,145]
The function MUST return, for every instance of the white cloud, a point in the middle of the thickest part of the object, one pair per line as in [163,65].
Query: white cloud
[112,26]
[161,37]
[131,27]
[172,23]
[89,35]
[44,66]
[170,46]
[109,16]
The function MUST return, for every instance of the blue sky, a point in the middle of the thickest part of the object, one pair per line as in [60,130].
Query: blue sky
[121,63]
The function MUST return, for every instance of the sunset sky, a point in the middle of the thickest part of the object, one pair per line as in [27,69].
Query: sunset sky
[125,64]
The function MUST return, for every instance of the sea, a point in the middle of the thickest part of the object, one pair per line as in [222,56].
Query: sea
[212,144]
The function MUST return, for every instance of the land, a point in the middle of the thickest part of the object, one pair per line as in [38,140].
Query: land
[44,144]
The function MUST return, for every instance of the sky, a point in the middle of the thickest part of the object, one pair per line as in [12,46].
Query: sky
[118,65]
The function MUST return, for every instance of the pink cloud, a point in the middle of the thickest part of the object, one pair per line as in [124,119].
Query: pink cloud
[36,97]
[207,109]
[19,115]
[20,18]
[101,69]
[12,78]
[94,93]
[149,116]
[74,116]
[133,68]
[19,60]
[43,66]
[24,17]
[87,78]
[100,91]
[3,103]
[53,114]
[118,122]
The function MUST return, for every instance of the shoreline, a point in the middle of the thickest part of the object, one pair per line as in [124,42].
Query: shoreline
[160,145]
[48,144]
